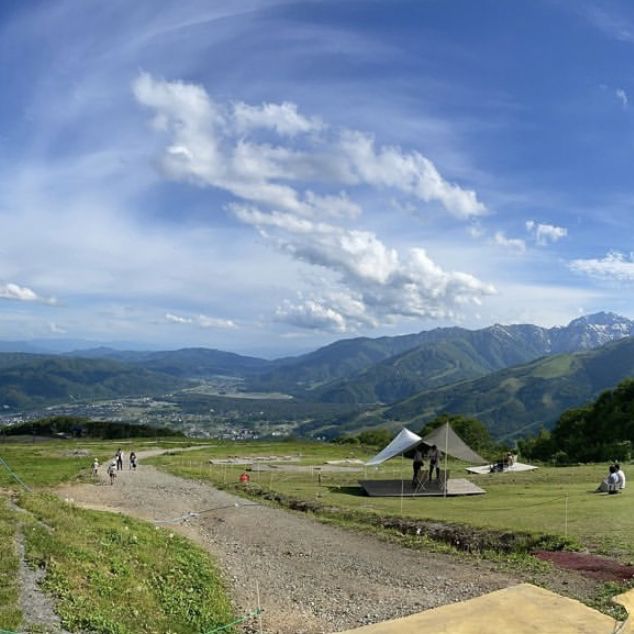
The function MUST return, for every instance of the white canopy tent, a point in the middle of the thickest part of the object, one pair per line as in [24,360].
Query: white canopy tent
[445,438]
[403,442]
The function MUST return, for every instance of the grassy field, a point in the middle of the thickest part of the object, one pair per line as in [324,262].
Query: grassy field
[105,572]
[557,501]
[10,615]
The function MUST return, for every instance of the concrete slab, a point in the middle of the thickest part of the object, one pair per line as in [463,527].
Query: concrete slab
[521,609]
[398,488]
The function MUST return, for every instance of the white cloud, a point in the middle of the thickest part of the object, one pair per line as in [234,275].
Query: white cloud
[18,293]
[205,321]
[545,233]
[376,284]
[512,244]
[614,266]
[209,144]
[283,118]
[409,173]
[55,329]
[202,321]
[621,95]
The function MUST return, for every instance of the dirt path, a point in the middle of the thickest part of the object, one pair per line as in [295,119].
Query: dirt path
[310,577]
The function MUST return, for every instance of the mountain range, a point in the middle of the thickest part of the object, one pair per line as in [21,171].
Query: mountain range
[512,377]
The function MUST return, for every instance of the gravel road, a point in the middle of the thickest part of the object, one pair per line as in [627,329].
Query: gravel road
[308,577]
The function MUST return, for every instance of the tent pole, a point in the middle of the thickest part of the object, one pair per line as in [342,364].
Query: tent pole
[446,448]
[402,483]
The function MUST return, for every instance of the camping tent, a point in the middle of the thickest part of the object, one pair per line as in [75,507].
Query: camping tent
[445,438]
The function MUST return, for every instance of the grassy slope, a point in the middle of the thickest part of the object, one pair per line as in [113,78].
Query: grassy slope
[106,572]
[116,575]
[10,615]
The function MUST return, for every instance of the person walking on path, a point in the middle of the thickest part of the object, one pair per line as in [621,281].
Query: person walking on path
[95,468]
[112,471]
[119,459]
[132,460]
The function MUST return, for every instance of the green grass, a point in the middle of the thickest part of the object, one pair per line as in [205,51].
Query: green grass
[50,462]
[555,501]
[10,615]
[111,574]
[105,573]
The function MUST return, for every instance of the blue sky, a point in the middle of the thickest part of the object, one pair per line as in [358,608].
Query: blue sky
[267,177]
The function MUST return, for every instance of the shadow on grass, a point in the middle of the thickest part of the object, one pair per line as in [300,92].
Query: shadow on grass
[349,490]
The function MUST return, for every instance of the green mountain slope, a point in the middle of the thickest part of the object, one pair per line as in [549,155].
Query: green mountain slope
[521,399]
[462,355]
[28,381]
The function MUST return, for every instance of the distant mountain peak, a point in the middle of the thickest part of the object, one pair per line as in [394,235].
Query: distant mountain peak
[602,318]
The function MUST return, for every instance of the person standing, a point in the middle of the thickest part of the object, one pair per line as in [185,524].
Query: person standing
[417,465]
[132,460]
[434,462]
[95,468]
[112,471]
[119,459]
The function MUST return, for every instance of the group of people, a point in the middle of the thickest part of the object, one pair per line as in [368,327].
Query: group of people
[615,481]
[434,464]
[115,465]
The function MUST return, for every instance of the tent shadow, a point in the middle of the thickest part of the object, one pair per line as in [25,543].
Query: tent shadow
[348,490]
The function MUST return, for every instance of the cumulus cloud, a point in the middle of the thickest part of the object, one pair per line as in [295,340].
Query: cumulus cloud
[18,293]
[202,321]
[210,144]
[377,283]
[545,233]
[283,118]
[614,266]
[368,282]
[512,244]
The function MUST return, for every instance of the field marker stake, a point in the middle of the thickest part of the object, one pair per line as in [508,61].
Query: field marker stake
[566,518]
[257,591]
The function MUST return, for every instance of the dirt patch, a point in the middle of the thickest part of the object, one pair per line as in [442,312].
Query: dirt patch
[594,566]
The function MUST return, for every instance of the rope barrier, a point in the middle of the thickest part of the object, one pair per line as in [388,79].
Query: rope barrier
[248,616]
[16,476]
[191,514]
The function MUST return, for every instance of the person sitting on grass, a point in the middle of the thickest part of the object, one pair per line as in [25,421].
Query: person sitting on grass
[613,480]
[620,475]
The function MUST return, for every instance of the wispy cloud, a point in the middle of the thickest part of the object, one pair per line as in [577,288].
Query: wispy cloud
[621,95]
[11,291]
[614,266]
[516,245]
[202,321]
[544,234]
